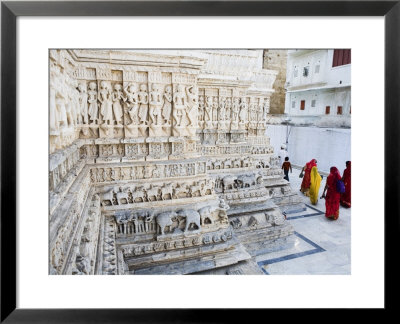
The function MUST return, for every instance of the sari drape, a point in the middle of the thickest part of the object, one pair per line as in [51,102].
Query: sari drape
[332,199]
[345,198]
[315,182]
[305,184]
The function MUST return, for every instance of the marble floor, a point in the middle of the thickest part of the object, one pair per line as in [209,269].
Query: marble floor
[321,246]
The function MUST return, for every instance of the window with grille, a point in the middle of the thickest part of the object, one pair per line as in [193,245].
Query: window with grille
[295,72]
[293,104]
[339,110]
[313,103]
[302,105]
[305,71]
[317,68]
[341,57]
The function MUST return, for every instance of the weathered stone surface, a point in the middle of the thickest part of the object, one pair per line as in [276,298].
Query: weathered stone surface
[159,162]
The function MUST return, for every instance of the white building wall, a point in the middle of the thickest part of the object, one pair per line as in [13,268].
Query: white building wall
[330,146]
[327,85]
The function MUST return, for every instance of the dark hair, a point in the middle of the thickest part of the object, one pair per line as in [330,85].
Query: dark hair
[347,163]
[287,158]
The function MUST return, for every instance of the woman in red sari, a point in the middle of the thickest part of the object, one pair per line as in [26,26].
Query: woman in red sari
[332,198]
[305,184]
[345,199]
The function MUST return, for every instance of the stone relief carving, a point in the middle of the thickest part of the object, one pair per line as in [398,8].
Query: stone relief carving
[193,140]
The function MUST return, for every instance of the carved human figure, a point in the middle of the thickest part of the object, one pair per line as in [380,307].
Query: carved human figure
[192,105]
[221,110]
[117,96]
[83,103]
[106,103]
[260,111]
[144,104]
[76,108]
[215,109]
[235,109]
[155,105]
[253,112]
[92,100]
[132,102]
[228,107]
[167,107]
[68,107]
[61,110]
[180,102]
[243,110]
[208,109]
[201,108]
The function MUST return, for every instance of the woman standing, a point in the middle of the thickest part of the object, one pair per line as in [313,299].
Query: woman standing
[305,184]
[315,182]
[345,199]
[332,198]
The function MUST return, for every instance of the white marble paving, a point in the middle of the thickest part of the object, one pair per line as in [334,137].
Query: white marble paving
[332,236]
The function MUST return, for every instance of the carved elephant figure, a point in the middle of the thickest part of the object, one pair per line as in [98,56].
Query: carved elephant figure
[205,213]
[122,194]
[227,164]
[179,190]
[197,188]
[192,217]
[107,196]
[165,219]
[138,192]
[166,190]
[237,163]
[246,162]
[217,164]
[152,192]
[229,182]
[246,180]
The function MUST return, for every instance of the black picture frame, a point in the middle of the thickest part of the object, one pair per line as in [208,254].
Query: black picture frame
[11,10]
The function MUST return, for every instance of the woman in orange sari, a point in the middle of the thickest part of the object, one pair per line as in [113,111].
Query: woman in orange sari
[305,184]
[332,198]
[345,199]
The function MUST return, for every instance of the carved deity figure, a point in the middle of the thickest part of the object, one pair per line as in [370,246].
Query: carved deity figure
[243,110]
[106,103]
[132,102]
[180,103]
[215,109]
[235,109]
[61,109]
[83,103]
[208,109]
[155,105]
[192,105]
[253,112]
[144,104]
[201,108]
[117,96]
[221,110]
[228,107]
[76,108]
[69,109]
[92,100]
[167,107]
[260,111]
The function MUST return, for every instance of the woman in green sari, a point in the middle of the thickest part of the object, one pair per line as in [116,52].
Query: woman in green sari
[314,186]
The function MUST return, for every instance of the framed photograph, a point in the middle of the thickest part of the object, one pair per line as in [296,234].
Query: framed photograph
[211,139]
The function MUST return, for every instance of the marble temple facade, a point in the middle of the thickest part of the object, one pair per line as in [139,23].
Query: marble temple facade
[159,162]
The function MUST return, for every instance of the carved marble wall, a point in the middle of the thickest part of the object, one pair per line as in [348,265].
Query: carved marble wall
[157,158]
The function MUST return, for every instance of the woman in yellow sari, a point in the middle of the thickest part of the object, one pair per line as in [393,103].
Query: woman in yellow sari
[314,186]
